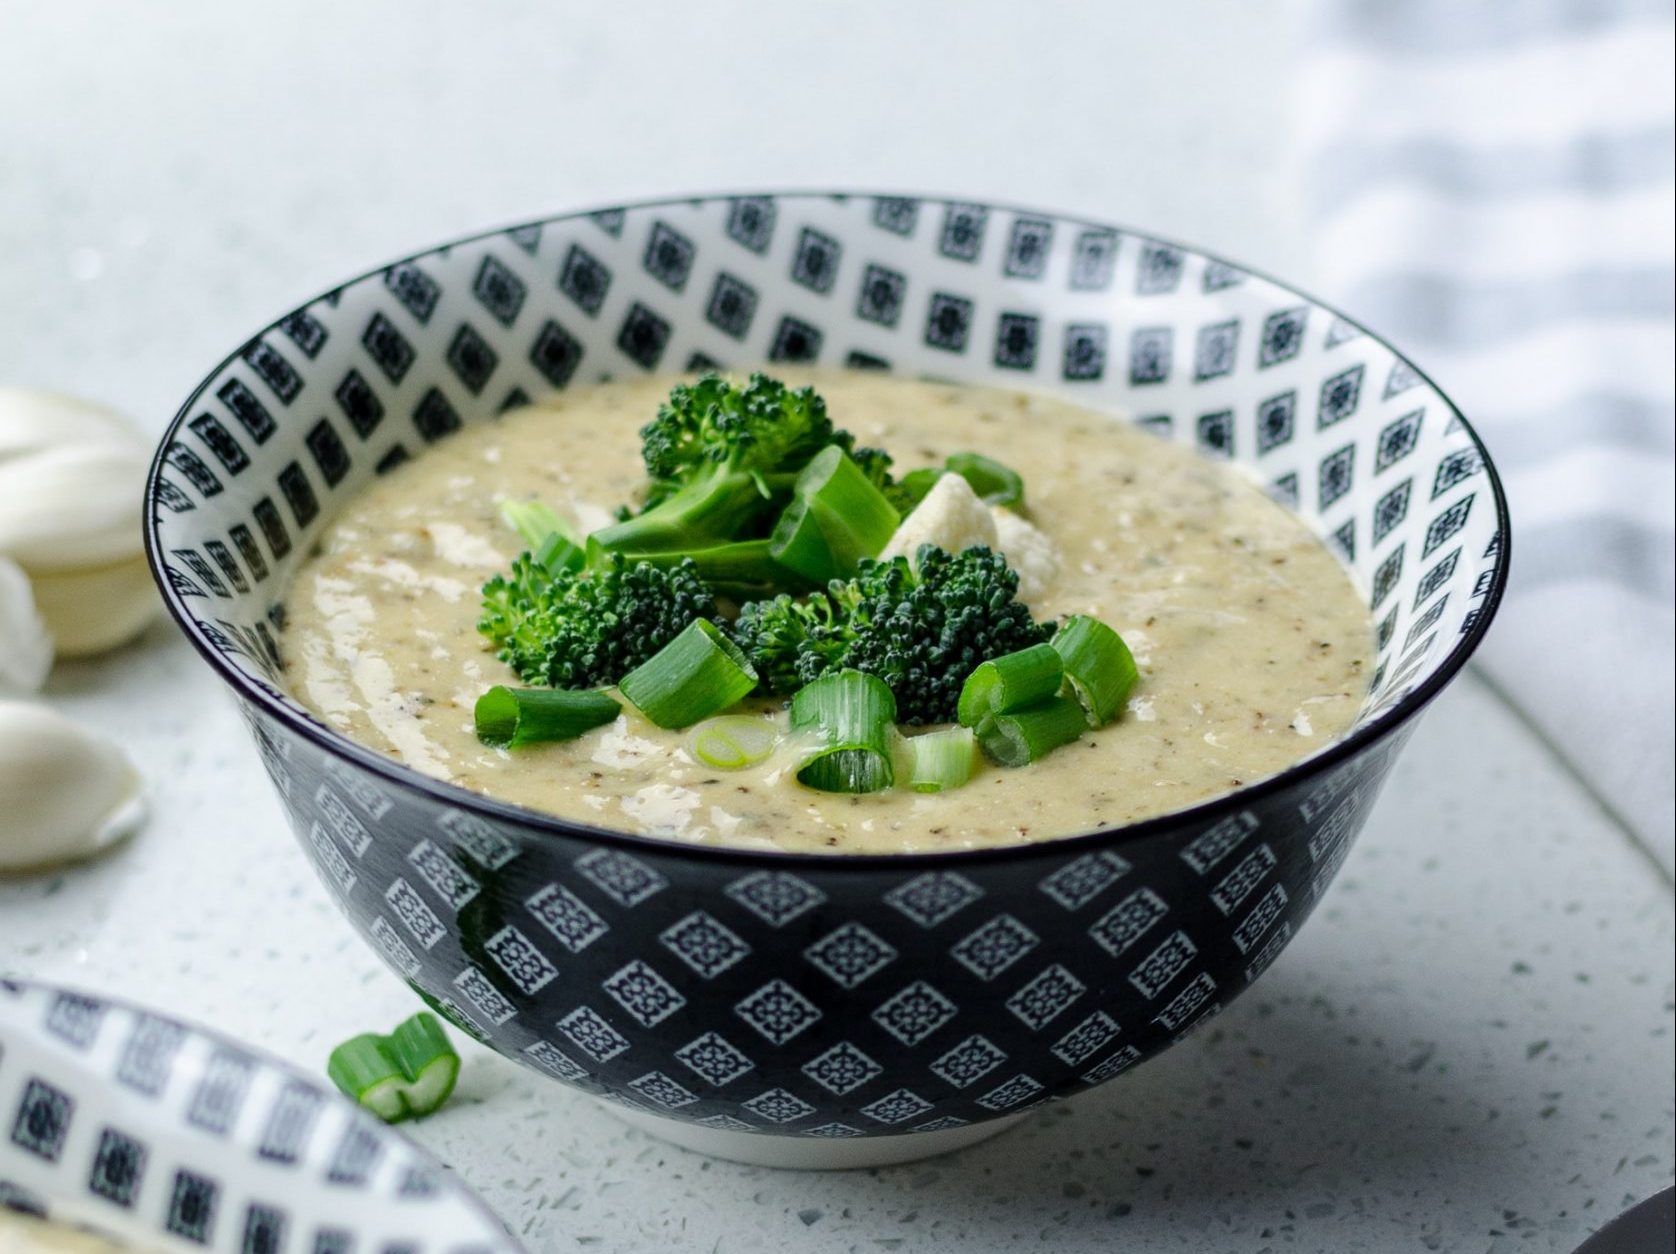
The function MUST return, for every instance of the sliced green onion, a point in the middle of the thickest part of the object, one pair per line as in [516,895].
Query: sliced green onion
[1098,664]
[545,534]
[917,483]
[1028,735]
[994,483]
[848,715]
[836,518]
[732,742]
[560,553]
[404,1075]
[1010,681]
[513,717]
[532,520]
[699,673]
[941,760]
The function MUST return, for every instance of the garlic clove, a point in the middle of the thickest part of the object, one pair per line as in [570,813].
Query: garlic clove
[32,420]
[67,792]
[91,609]
[71,505]
[25,645]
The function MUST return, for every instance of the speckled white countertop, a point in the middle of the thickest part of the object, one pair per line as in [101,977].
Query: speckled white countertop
[1470,1047]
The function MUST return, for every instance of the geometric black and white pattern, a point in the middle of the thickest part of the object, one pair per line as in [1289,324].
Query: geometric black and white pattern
[802,994]
[97,1127]
[850,954]
[914,1013]
[714,1058]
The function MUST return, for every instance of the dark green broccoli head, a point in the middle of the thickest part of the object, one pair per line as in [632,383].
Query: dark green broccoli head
[791,642]
[923,635]
[721,462]
[585,630]
[762,428]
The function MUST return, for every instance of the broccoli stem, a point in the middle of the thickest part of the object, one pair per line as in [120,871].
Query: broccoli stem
[709,511]
[743,570]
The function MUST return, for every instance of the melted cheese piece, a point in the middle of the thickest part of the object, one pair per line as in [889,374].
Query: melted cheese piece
[951,517]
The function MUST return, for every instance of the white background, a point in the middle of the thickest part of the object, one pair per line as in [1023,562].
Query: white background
[1469,1049]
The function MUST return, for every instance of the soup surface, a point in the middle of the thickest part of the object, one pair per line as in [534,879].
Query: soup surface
[25,1234]
[1252,643]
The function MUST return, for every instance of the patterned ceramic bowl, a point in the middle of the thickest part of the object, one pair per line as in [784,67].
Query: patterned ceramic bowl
[163,1136]
[804,1008]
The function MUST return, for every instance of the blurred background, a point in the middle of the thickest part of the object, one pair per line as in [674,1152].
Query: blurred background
[1489,183]
[174,174]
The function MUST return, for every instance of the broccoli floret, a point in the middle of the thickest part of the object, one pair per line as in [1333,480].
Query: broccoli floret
[922,634]
[720,460]
[583,630]
[761,428]
[875,463]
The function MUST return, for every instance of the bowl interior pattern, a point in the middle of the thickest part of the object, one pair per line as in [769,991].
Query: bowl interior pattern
[772,993]
[1338,426]
[167,1137]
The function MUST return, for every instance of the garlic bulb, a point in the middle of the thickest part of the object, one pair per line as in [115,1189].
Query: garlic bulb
[71,476]
[66,792]
[25,646]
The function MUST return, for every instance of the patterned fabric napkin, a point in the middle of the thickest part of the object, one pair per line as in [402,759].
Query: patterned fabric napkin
[1491,185]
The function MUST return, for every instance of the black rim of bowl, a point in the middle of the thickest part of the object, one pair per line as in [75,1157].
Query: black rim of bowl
[1203,813]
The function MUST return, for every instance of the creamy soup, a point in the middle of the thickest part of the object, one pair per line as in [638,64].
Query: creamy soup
[1252,643]
[25,1234]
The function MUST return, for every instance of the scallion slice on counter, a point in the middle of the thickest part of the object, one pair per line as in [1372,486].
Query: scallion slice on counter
[1010,681]
[941,760]
[699,673]
[731,742]
[1029,734]
[510,718]
[545,533]
[407,1074]
[994,483]
[836,518]
[848,716]
[1099,666]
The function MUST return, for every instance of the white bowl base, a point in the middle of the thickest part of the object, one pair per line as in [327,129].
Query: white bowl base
[808,1153]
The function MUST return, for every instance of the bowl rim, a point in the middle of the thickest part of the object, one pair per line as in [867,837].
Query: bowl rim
[1194,817]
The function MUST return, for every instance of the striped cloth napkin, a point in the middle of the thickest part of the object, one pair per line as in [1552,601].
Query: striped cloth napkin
[1491,185]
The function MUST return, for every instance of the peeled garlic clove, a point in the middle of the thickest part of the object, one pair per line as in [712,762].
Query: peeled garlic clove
[32,420]
[91,609]
[67,793]
[25,646]
[71,477]
[71,505]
